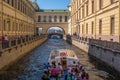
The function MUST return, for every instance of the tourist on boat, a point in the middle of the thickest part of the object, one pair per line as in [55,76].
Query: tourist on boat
[60,75]
[45,76]
[78,76]
[86,77]
[59,67]
[54,72]
[83,74]
[69,70]
[65,74]
[74,64]
[47,65]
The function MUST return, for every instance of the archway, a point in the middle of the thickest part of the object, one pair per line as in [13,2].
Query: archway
[55,32]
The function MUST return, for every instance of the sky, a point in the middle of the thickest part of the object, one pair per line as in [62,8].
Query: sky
[53,4]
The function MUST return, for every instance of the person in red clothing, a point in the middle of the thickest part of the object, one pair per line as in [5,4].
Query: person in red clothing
[54,72]
[3,39]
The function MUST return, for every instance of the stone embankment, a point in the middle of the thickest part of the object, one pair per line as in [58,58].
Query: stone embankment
[12,51]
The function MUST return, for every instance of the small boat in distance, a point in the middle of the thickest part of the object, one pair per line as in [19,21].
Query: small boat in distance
[63,56]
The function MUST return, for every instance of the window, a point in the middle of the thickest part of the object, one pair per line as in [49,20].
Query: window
[83,12]
[66,19]
[112,25]
[8,1]
[18,5]
[44,19]
[82,29]
[50,19]
[92,6]
[112,1]
[4,27]
[100,26]
[12,2]
[86,9]
[55,18]
[92,27]
[87,28]
[8,24]
[60,18]
[100,4]
[39,18]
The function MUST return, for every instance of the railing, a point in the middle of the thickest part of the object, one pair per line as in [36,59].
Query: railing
[84,40]
[12,43]
[114,46]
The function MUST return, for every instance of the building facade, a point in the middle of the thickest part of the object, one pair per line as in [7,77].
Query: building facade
[98,19]
[46,19]
[16,18]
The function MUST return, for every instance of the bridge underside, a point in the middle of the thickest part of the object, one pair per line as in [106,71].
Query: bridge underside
[55,35]
[46,26]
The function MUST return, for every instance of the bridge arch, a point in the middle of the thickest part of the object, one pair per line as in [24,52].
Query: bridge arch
[55,28]
[55,32]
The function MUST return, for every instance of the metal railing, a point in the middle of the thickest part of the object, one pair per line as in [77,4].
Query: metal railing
[12,43]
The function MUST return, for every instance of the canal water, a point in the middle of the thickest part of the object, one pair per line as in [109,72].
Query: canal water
[31,66]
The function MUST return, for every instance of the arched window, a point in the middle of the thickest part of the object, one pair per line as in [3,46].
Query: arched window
[55,18]
[60,19]
[44,19]
[66,18]
[39,18]
[50,19]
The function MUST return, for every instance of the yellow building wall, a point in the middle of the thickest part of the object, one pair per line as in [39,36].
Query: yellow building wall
[105,13]
[17,23]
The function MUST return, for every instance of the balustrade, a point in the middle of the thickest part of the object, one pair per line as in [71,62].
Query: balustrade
[11,43]
[105,44]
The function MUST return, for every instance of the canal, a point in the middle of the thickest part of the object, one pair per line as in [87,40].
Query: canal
[31,66]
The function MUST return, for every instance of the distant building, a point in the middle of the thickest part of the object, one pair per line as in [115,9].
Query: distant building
[46,19]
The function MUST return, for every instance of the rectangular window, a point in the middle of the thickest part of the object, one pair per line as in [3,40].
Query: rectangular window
[60,18]
[112,25]
[83,12]
[87,9]
[12,3]
[8,1]
[39,18]
[44,19]
[92,27]
[87,28]
[66,18]
[4,25]
[50,18]
[100,26]
[82,29]
[92,6]
[55,18]
[112,1]
[100,4]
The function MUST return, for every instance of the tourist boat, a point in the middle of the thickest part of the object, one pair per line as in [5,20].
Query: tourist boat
[63,56]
